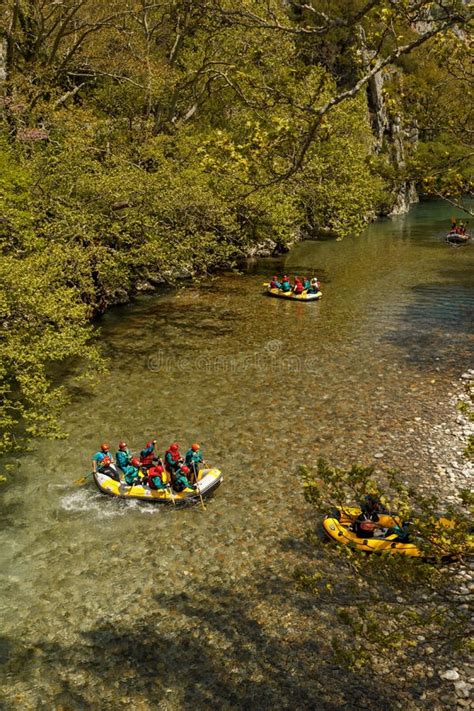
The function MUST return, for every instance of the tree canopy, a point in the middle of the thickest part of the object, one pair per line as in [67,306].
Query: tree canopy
[145,140]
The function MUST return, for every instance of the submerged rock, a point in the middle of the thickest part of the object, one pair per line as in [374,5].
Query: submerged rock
[449,675]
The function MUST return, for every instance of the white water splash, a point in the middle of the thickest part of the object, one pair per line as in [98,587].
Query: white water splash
[84,500]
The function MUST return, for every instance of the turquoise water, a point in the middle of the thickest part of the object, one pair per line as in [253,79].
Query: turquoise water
[109,604]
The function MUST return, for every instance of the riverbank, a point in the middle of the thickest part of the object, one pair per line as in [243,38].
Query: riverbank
[454,472]
[153,282]
[445,443]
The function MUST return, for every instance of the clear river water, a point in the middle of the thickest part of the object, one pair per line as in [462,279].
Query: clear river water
[109,604]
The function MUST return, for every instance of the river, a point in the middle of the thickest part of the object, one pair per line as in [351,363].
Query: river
[110,605]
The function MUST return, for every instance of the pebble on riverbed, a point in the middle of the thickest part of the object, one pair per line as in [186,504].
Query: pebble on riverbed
[449,675]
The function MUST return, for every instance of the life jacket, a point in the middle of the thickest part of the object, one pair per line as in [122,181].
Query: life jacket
[104,463]
[298,288]
[175,456]
[273,284]
[364,525]
[146,459]
[156,471]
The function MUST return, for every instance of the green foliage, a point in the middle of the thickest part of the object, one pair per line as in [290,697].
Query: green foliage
[434,94]
[466,410]
[393,606]
[43,316]
[469,450]
[151,140]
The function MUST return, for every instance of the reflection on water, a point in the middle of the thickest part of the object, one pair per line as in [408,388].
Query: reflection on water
[107,603]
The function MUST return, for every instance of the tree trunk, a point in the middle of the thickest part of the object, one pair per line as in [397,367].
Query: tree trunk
[3,59]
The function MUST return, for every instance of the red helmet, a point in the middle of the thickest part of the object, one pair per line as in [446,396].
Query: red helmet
[185,469]
[105,447]
[297,279]
[195,447]
[106,460]
[367,526]
[285,278]
[174,447]
[122,445]
[274,278]
[136,462]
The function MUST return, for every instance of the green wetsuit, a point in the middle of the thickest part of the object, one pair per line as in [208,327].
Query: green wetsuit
[193,459]
[158,484]
[132,474]
[172,465]
[122,457]
[181,481]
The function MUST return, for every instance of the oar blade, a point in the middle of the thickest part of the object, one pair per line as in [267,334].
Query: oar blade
[82,480]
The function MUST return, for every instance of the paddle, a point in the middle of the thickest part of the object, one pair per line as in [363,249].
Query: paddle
[168,486]
[169,483]
[172,495]
[197,485]
[82,480]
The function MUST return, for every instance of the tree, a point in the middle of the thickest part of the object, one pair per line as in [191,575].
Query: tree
[43,317]
[383,30]
[148,139]
[436,93]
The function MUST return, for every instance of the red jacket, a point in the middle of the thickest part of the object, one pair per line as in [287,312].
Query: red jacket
[172,457]
[155,471]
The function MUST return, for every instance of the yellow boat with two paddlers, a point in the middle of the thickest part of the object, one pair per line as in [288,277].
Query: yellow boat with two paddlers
[338,527]
[291,296]
[111,484]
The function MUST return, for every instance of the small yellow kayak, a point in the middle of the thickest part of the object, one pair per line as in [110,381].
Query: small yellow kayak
[305,296]
[337,526]
[208,481]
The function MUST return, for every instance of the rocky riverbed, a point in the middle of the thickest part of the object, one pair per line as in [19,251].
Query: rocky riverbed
[453,472]
[445,444]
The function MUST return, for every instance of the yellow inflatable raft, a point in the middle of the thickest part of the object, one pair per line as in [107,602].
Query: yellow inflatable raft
[337,526]
[294,297]
[208,481]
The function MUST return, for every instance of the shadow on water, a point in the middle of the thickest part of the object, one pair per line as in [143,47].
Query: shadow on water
[440,241]
[434,326]
[219,657]
[11,515]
